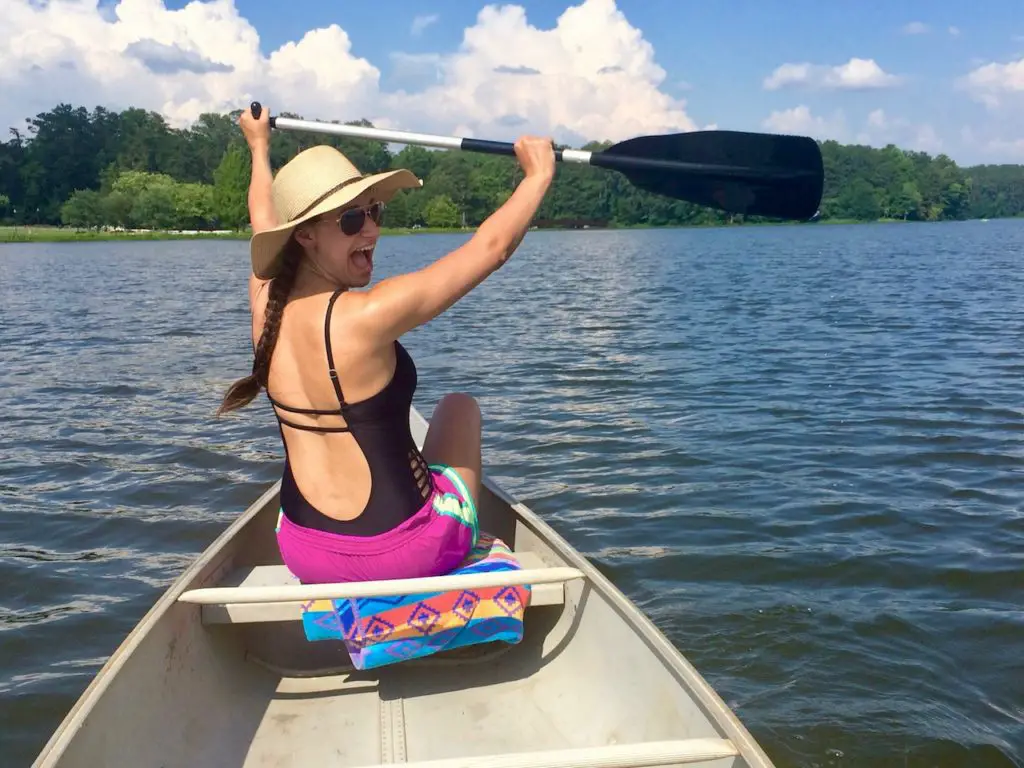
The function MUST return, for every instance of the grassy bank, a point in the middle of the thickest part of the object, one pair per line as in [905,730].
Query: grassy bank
[45,234]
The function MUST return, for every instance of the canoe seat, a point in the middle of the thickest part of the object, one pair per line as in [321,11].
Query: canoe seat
[236,600]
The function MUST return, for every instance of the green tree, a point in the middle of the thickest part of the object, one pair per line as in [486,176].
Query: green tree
[193,206]
[406,209]
[906,203]
[83,210]
[859,200]
[202,147]
[451,178]
[368,156]
[397,213]
[12,156]
[117,209]
[61,155]
[417,159]
[146,143]
[135,183]
[154,208]
[996,190]
[441,211]
[231,188]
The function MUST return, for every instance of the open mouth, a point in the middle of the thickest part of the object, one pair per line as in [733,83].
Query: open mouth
[363,257]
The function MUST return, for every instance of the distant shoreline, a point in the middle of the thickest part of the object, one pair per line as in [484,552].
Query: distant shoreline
[51,234]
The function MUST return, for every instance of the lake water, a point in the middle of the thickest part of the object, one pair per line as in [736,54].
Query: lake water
[799,449]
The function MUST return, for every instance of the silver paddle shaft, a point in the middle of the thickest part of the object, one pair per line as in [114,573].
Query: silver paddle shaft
[419,139]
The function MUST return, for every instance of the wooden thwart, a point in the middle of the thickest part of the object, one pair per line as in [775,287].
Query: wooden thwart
[214,595]
[645,755]
[262,577]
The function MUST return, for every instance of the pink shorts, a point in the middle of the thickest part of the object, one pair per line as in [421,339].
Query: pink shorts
[432,542]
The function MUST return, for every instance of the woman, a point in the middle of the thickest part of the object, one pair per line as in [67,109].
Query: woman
[358,499]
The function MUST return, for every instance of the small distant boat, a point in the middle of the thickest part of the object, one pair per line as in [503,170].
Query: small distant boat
[220,673]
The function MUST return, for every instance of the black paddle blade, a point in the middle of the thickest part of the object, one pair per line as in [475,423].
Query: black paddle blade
[756,174]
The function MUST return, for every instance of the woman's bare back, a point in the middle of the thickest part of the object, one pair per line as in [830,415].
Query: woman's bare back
[329,467]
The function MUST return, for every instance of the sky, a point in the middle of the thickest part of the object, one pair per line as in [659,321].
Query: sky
[937,76]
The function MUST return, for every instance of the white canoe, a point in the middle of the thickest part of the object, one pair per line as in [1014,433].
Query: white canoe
[219,673]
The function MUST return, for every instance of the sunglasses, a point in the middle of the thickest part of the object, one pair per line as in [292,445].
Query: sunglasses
[351,221]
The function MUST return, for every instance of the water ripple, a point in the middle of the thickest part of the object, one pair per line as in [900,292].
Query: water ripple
[799,450]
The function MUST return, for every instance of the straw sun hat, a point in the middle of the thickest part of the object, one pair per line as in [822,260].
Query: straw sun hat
[317,180]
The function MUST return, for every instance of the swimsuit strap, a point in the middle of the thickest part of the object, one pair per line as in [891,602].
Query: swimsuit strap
[312,428]
[315,411]
[334,380]
[327,342]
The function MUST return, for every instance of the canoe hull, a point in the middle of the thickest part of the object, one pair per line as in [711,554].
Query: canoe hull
[590,672]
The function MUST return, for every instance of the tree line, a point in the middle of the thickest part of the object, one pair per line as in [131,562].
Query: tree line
[130,169]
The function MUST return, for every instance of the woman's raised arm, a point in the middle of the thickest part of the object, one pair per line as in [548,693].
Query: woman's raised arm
[262,215]
[399,304]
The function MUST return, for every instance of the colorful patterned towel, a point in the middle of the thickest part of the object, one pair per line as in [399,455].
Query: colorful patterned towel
[386,630]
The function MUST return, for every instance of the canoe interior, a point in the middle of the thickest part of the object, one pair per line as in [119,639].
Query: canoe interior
[590,672]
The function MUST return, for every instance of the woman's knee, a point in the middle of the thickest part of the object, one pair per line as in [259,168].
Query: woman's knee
[461,406]
[453,438]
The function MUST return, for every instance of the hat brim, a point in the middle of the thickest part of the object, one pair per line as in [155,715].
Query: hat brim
[265,247]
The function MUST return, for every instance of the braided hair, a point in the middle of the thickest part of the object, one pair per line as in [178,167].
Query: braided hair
[243,391]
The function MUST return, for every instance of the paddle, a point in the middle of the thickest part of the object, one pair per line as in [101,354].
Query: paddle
[757,174]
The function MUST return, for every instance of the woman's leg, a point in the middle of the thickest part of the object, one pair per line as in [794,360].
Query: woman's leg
[453,438]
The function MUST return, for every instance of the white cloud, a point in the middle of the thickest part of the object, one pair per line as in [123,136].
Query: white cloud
[415,70]
[201,57]
[877,129]
[925,139]
[877,119]
[856,74]
[595,75]
[799,121]
[591,76]
[423,21]
[990,83]
[990,147]
[1006,148]
[920,28]
[880,129]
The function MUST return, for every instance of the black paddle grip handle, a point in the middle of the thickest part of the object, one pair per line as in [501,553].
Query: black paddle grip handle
[257,109]
[496,147]
[488,147]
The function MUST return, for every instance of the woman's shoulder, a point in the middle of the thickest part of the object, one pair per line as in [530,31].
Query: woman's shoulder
[340,314]
[353,320]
